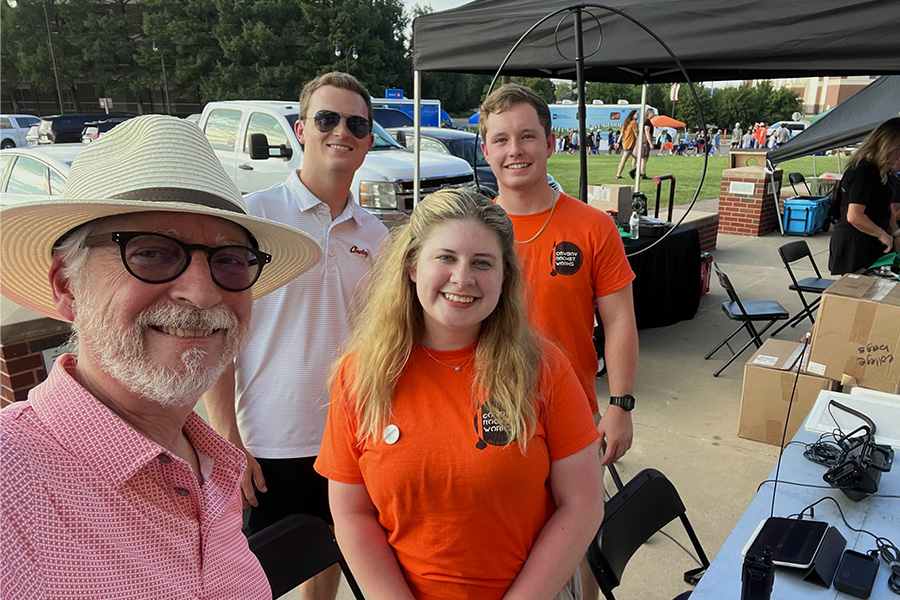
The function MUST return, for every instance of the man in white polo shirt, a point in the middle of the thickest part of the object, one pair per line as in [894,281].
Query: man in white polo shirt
[273,405]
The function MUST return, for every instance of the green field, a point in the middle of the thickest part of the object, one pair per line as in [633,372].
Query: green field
[686,169]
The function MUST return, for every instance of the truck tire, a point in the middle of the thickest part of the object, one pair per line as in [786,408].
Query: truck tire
[7,144]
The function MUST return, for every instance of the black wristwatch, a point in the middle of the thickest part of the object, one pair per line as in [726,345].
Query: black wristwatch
[625,402]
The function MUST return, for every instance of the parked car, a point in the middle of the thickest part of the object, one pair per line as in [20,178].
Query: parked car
[256,143]
[391,117]
[38,173]
[33,135]
[62,129]
[194,118]
[94,129]
[14,129]
[457,143]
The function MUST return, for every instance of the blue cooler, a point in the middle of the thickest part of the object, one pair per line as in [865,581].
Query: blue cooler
[804,215]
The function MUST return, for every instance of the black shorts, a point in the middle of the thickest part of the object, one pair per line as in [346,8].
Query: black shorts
[293,488]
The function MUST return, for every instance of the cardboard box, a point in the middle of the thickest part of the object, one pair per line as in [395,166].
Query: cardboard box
[857,335]
[612,197]
[766,393]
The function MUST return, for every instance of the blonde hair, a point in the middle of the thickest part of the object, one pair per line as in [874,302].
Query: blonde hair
[509,355]
[339,80]
[505,97]
[878,148]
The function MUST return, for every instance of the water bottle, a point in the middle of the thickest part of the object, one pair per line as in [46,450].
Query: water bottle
[634,225]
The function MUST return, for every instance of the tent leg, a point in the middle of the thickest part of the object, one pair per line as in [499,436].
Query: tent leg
[417,123]
[582,110]
[640,139]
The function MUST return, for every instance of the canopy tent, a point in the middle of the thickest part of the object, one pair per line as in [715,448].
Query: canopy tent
[748,39]
[664,121]
[473,120]
[847,123]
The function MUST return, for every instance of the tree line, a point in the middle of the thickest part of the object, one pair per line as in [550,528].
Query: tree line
[241,49]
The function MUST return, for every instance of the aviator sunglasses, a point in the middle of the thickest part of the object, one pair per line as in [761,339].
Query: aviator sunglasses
[158,258]
[327,120]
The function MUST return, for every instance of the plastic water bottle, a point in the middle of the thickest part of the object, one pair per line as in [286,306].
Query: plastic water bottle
[634,225]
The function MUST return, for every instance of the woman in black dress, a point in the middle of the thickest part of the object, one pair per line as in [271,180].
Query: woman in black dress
[870,203]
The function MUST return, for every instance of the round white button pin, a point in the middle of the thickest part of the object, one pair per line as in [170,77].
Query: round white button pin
[391,434]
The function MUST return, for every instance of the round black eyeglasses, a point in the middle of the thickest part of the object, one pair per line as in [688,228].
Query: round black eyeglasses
[158,258]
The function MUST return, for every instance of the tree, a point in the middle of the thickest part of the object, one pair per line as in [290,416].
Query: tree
[611,93]
[543,87]
[564,91]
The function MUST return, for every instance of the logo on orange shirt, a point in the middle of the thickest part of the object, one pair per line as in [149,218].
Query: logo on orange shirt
[358,250]
[489,429]
[565,258]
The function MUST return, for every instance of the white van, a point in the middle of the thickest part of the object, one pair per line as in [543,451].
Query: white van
[383,185]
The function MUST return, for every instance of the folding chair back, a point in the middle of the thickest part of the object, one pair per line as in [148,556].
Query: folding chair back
[791,253]
[797,178]
[295,549]
[729,289]
[644,506]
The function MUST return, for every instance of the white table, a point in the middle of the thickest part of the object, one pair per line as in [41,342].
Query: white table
[881,516]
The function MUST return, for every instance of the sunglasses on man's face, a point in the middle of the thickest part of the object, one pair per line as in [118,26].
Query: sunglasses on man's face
[327,120]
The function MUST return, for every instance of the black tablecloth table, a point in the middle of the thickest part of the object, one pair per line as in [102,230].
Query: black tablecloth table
[667,278]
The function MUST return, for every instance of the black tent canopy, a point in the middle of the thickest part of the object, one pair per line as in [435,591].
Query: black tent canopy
[715,40]
[848,123]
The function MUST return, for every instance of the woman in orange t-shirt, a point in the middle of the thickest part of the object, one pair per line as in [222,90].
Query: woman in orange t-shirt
[460,446]
[629,138]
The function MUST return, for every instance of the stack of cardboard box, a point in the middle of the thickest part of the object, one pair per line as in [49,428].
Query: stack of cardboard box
[856,342]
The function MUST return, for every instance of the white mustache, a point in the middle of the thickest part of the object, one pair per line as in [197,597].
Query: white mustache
[186,317]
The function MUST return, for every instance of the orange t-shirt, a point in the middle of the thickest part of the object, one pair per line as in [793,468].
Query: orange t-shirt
[629,135]
[578,258]
[460,509]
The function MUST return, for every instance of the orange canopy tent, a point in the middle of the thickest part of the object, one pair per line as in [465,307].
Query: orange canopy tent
[664,121]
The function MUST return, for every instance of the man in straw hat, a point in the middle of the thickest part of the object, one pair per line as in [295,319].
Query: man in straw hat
[112,486]
[274,403]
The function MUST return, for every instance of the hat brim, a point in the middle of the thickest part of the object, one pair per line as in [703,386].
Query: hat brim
[28,232]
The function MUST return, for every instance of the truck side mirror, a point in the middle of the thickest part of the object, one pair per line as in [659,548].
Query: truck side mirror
[401,138]
[259,146]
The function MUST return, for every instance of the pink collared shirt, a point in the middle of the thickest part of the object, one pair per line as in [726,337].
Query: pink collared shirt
[93,510]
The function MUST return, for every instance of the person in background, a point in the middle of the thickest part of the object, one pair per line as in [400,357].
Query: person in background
[460,448]
[869,203]
[569,251]
[112,486]
[736,135]
[747,140]
[646,145]
[762,135]
[784,135]
[272,403]
[628,141]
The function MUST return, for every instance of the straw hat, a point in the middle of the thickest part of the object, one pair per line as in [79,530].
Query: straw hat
[150,163]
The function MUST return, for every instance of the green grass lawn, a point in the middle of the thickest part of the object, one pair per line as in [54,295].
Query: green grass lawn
[686,169]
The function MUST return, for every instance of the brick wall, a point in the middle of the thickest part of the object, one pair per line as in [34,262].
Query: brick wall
[708,228]
[751,214]
[21,362]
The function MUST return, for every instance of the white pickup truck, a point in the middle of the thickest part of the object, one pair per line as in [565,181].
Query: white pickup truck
[14,128]
[383,185]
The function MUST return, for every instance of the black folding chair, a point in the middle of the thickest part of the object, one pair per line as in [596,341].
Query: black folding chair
[747,313]
[295,549]
[796,179]
[791,253]
[644,506]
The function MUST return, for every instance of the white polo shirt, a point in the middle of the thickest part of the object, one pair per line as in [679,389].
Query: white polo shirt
[297,331]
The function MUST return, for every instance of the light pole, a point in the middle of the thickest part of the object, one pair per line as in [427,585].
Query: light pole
[347,52]
[162,59]
[13,4]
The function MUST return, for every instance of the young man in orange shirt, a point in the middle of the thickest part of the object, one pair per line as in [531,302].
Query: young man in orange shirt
[573,260]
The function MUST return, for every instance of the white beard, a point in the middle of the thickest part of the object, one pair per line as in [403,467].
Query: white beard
[119,349]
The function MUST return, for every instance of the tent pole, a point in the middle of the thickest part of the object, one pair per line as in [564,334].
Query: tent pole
[640,138]
[417,124]
[582,110]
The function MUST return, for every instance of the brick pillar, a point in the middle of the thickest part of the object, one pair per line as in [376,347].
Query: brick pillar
[746,204]
[21,345]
